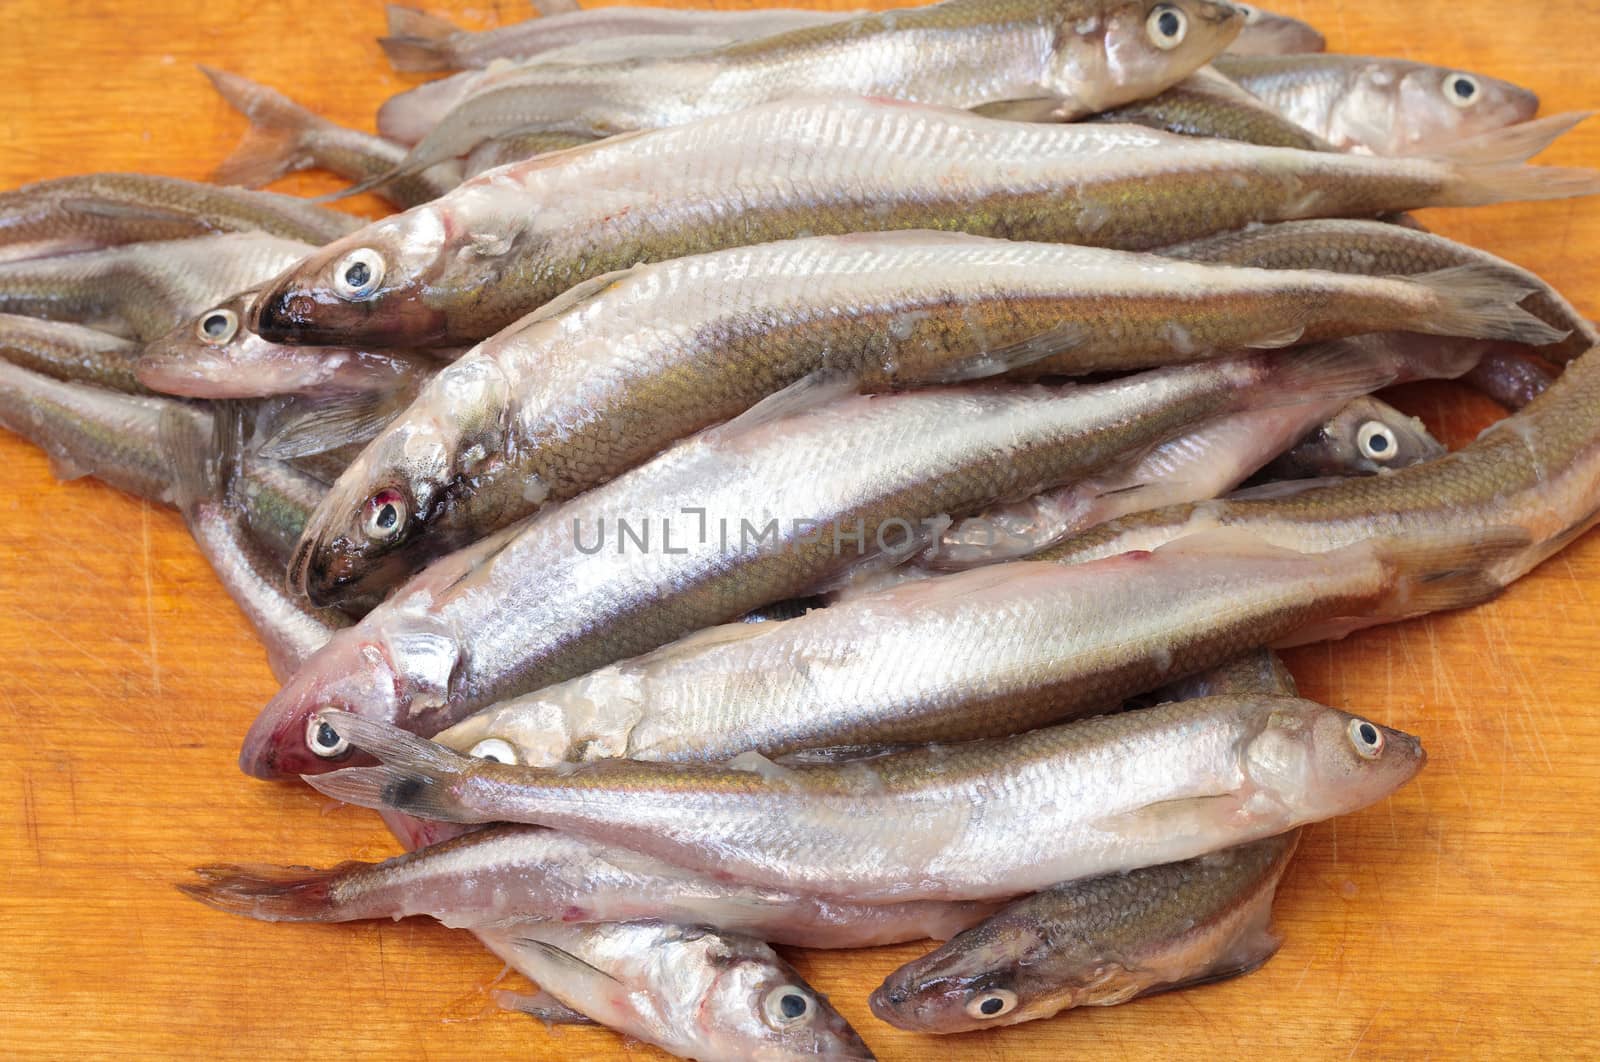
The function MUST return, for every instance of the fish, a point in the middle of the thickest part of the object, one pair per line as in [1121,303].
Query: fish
[422,42]
[1373,248]
[1368,436]
[518,147]
[1098,942]
[1075,57]
[1078,640]
[528,874]
[764,508]
[1258,671]
[285,137]
[71,352]
[1512,378]
[144,290]
[276,499]
[613,372]
[289,629]
[1266,33]
[481,257]
[1207,104]
[970,821]
[1382,106]
[689,990]
[213,356]
[1208,461]
[90,431]
[1537,469]
[96,211]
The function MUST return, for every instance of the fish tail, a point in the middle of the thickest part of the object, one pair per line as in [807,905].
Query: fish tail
[196,477]
[275,143]
[1482,185]
[1514,143]
[1478,302]
[416,776]
[1438,572]
[418,42]
[269,893]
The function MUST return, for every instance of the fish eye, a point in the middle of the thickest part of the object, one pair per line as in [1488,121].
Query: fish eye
[787,1005]
[1376,441]
[217,327]
[1367,739]
[384,516]
[358,274]
[324,740]
[992,1003]
[1166,27]
[498,750]
[1461,89]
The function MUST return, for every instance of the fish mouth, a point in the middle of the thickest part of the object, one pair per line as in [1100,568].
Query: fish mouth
[297,312]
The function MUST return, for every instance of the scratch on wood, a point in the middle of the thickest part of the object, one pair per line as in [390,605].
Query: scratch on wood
[149,597]
[30,817]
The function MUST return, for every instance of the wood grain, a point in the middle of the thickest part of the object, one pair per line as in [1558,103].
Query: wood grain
[1456,920]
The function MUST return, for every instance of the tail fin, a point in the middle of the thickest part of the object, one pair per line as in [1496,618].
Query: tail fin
[275,143]
[1484,184]
[1480,303]
[1449,571]
[1513,143]
[417,777]
[269,893]
[191,452]
[418,42]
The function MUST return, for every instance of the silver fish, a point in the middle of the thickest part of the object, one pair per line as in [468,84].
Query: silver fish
[961,822]
[480,258]
[71,352]
[1077,57]
[1076,640]
[529,874]
[1383,106]
[144,290]
[289,629]
[100,210]
[1368,436]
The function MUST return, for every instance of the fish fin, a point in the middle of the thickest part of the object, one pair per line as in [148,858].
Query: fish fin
[812,391]
[541,1005]
[1439,572]
[306,425]
[275,142]
[1013,356]
[1283,488]
[1026,109]
[1513,143]
[1488,183]
[1479,302]
[418,42]
[1179,817]
[229,430]
[266,892]
[100,208]
[416,776]
[195,475]
[574,296]
[561,957]
[1278,340]
[1325,372]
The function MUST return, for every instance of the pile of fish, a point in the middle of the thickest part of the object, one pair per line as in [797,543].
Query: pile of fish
[825,478]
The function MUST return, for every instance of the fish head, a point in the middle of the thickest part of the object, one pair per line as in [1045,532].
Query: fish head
[376,286]
[1321,762]
[1151,44]
[1369,436]
[1265,33]
[754,1005]
[353,672]
[1435,107]
[998,973]
[396,506]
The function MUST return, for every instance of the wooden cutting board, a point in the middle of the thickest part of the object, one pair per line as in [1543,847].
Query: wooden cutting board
[1459,918]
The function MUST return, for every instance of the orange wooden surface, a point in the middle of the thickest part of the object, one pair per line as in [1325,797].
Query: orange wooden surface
[1459,919]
